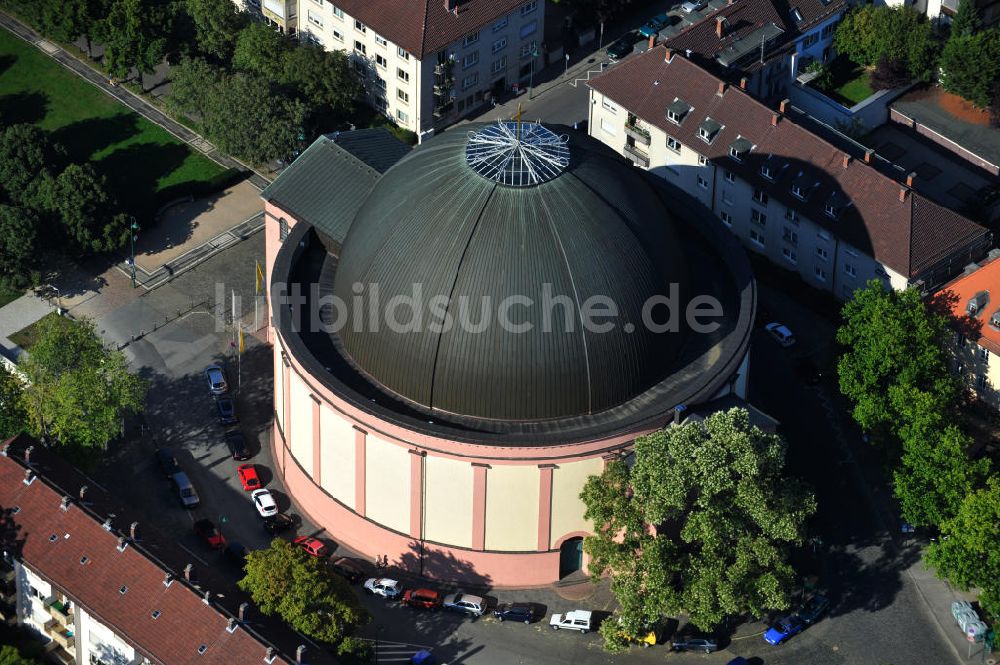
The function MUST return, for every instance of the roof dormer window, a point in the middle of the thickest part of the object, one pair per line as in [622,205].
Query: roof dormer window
[831,210]
[977,303]
[678,110]
[995,320]
[740,148]
[708,130]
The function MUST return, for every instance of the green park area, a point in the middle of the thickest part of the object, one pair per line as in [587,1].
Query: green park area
[145,166]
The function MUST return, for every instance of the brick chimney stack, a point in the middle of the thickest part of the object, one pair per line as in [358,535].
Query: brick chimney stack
[910,177]
[244,607]
[669,55]
[903,191]
[847,160]
[133,531]
[720,26]
[743,83]
[83,492]
[784,105]
[207,598]
[27,454]
[189,572]
[774,119]
[722,88]
[868,156]
[652,41]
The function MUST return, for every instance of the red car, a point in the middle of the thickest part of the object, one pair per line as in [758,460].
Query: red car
[248,476]
[313,546]
[426,599]
[209,534]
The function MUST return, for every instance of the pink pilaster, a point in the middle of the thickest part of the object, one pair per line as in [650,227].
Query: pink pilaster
[360,438]
[544,506]
[416,493]
[287,420]
[316,439]
[479,506]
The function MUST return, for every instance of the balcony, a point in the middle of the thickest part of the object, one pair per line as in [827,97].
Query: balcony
[58,611]
[640,134]
[60,635]
[637,155]
[60,656]
[444,68]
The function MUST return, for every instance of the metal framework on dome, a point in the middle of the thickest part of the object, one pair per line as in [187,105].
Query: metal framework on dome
[517,154]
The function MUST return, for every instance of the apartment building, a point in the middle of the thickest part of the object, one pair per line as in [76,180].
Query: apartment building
[973,300]
[765,41]
[834,216]
[942,11]
[75,571]
[427,63]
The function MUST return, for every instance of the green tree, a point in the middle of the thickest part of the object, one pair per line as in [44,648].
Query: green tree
[68,19]
[966,21]
[324,78]
[134,37]
[260,50]
[970,66]
[283,580]
[968,552]
[901,33]
[79,199]
[13,417]
[18,229]
[247,119]
[192,82]
[9,655]
[892,342]
[702,521]
[216,24]
[26,157]
[78,390]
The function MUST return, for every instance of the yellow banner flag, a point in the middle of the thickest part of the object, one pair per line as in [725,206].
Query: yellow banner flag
[243,344]
[260,277]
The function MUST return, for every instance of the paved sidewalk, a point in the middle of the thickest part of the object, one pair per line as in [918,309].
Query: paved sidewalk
[15,316]
[129,99]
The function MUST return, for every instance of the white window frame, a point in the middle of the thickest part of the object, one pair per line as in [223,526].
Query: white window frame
[470,60]
[608,105]
[360,27]
[471,39]
[499,45]
[673,144]
[528,7]
[790,255]
[726,218]
[702,182]
[756,237]
[501,24]
[338,12]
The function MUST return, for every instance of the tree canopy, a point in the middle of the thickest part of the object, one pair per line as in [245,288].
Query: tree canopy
[78,390]
[217,24]
[970,66]
[134,34]
[79,199]
[9,655]
[323,78]
[13,417]
[261,50]
[966,21]
[899,33]
[283,580]
[18,230]
[27,159]
[702,521]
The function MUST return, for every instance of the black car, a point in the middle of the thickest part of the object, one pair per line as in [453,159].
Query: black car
[225,408]
[278,523]
[623,46]
[167,461]
[813,609]
[237,553]
[523,612]
[348,569]
[695,644]
[237,444]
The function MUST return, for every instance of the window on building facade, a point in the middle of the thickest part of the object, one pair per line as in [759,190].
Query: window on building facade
[529,7]
[501,24]
[529,48]
[702,160]
[702,182]
[798,192]
[471,39]
[980,382]
[820,274]
[673,144]
[790,236]
[791,216]
[608,127]
[726,218]
[380,60]
[500,64]
[607,105]
[757,236]
[984,354]
[359,47]
[401,52]
[338,35]
[730,176]
[315,19]
[380,82]
[822,253]
[765,170]
[338,12]
[380,40]
[359,26]
[789,255]
[499,44]
[528,29]
[282,228]
[850,269]
[402,74]
[470,81]
[810,40]
[402,95]
[831,210]
[760,196]
[757,217]
[402,116]
[470,59]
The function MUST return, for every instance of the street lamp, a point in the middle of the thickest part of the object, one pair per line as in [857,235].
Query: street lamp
[132,229]
[566,71]
[531,75]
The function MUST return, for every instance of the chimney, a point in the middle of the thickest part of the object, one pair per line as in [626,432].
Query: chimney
[652,41]
[720,26]
[107,524]
[83,492]
[4,451]
[207,599]
[231,625]
[269,655]
[168,579]
[27,454]
[868,156]
[722,88]
[451,6]
[669,55]
[65,502]
[902,194]
[783,106]
[910,177]
[244,607]
[743,83]
[133,531]
[122,543]
[774,119]
[29,476]
[189,572]
[847,160]
[300,652]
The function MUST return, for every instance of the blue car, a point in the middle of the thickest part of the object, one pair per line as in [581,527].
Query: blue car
[784,629]
[654,25]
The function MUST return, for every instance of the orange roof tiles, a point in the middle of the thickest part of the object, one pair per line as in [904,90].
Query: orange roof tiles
[955,295]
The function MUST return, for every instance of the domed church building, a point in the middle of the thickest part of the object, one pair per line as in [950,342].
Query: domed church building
[464,332]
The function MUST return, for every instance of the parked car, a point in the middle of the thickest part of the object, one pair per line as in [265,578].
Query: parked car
[813,609]
[167,462]
[654,25]
[523,612]
[425,599]
[185,490]
[781,334]
[278,522]
[784,629]
[225,407]
[465,603]
[248,477]
[693,6]
[580,620]
[623,46]
[348,569]
[237,444]
[264,503]
[705,644]
[209,534]
[383,586]
[216,379]
[312,546]
[236,553]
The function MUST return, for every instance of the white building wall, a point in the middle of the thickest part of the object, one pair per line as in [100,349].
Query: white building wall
[98,642]
[32,590]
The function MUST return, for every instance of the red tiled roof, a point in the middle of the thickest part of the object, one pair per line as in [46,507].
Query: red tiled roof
[956,295]
[908,236]
[185,621]
[426,26]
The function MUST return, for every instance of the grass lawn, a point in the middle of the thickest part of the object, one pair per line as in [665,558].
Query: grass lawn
[849,83]
[144,164]
[27,337]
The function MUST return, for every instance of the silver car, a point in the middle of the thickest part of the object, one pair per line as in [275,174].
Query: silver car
[693,6]
[463,602]
[216,380]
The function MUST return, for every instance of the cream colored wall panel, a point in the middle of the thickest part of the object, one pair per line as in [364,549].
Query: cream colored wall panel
[336,462]
[512,508]
[448,501]
[301,425]
[567,508]
[387,484]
